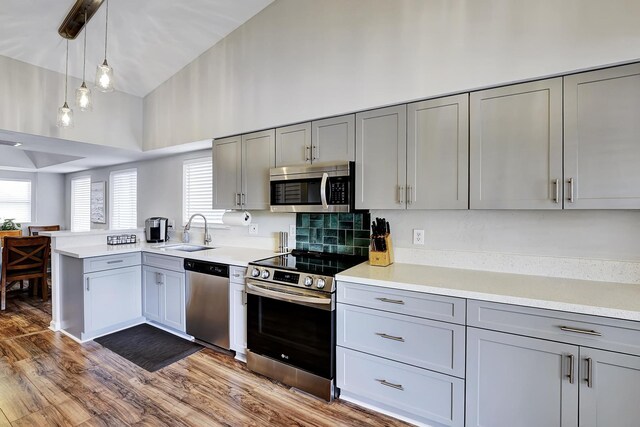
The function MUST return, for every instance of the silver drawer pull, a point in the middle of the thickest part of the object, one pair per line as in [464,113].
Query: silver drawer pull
[392,385]
[392,301]
[581,331]
[389,337]
[114,262]
[236,275]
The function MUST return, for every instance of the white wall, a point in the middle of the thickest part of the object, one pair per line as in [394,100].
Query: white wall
[160,194]
[303,59]
[47,197]
[30,97]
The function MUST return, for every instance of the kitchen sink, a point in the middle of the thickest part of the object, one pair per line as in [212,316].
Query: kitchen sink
[183,247]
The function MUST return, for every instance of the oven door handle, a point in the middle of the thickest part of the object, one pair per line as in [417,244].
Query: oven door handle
[280,296]
[323,190]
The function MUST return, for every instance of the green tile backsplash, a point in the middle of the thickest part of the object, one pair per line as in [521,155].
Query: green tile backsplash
[342,233]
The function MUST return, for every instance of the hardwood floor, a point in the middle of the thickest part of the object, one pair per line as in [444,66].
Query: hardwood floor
[47,379]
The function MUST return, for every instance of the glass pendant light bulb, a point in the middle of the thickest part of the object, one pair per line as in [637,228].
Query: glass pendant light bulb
[104,77]
[83,94]
[104,73]
[65,116]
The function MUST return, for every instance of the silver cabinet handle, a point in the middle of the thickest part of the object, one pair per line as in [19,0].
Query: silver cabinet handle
[244,298]
[556,183]
[306,153]
[389,337]
[242,199]
[315,154]
[115,262]
[237,199]
[570,374]
[589,378]
[392,301]
[392,385]
[236,275]
[409,194]
[580,331]
[88,286]
[570,190]
[402,194]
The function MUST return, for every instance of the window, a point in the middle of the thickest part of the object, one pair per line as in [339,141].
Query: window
[81,203]
[15,200]
[123,202]
[197,192]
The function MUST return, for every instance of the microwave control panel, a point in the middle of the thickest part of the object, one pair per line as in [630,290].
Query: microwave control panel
[339,193]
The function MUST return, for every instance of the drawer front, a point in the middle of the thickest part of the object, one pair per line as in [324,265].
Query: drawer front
[236,274]
[429,344]
[163,261]
[422,395]
[111,261]
[436,307]
[580,329]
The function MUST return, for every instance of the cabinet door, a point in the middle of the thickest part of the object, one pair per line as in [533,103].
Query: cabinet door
[381,158]
[258,156]
[333,139]
[227,161]
[238,317]
[438,153]
[609,389]
[516,146]
[293,145]
[519,381]
[601,143]
[173,294]
[112,297]
[151,289]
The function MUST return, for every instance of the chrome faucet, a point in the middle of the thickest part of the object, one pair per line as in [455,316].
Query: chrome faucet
[185,233]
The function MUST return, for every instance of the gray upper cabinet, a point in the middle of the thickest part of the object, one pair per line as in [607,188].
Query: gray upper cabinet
[381,159]
[520,381]
[241,170]
[293,145]
[258,156]
[227,178]
[333,139]
[438,153]
[601,142]
[516,146]
[609,389]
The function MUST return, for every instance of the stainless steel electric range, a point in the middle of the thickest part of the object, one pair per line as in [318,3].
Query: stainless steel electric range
[291,318]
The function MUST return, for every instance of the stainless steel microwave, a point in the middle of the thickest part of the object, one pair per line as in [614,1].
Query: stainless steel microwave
[324,187]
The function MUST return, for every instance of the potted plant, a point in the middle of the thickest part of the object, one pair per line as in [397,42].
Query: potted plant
[9,228]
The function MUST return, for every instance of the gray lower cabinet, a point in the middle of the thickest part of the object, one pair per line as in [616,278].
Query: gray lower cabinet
[237,311]
[601,147]
[395,354]
[515,159]
[164,297]
[241,170]
[515,381]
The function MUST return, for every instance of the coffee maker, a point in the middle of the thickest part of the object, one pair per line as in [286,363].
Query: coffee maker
[156,229]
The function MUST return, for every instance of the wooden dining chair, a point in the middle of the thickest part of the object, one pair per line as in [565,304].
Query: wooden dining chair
[24,258]
[35,230]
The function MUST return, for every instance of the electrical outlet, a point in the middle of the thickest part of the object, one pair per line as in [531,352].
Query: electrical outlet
[253,229]
[418,237]
[171,224]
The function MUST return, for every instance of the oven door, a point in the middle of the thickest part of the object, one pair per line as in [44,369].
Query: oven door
[292,326]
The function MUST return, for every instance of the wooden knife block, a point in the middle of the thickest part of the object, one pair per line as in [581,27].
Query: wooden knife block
[382,258]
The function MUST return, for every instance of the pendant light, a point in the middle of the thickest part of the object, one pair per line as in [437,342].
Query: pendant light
[83,93]
[104,73]
[65,114]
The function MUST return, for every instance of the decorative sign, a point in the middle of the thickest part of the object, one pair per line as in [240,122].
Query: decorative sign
[98,215]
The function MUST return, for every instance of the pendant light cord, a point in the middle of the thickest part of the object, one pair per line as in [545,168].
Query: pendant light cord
[66,73]
[106,26]
[84,63]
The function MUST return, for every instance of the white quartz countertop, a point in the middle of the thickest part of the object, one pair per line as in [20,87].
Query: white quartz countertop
[223,254]
[616,300]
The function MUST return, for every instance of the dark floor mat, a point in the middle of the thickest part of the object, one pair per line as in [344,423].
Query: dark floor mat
[148,347]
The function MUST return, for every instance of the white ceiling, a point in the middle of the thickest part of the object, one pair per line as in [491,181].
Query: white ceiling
[149,40]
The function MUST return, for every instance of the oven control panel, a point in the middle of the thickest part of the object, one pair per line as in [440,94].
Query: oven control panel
[292,278]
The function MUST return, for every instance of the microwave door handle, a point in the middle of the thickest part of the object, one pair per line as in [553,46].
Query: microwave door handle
[323,191]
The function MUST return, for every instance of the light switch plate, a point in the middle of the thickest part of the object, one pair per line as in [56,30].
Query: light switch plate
[253,229]
[418,237]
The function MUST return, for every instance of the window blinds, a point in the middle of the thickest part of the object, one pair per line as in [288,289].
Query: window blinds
[15,200]
[124,199]
[197,193]
[81,203]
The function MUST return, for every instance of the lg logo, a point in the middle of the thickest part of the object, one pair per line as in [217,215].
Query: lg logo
[284,356]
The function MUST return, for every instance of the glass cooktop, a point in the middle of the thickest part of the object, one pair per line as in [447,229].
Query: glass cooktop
[321,263]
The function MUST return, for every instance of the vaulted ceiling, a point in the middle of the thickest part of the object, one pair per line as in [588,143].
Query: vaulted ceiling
[149,40]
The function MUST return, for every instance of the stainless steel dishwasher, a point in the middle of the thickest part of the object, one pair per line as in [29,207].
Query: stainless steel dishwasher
[208,302]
